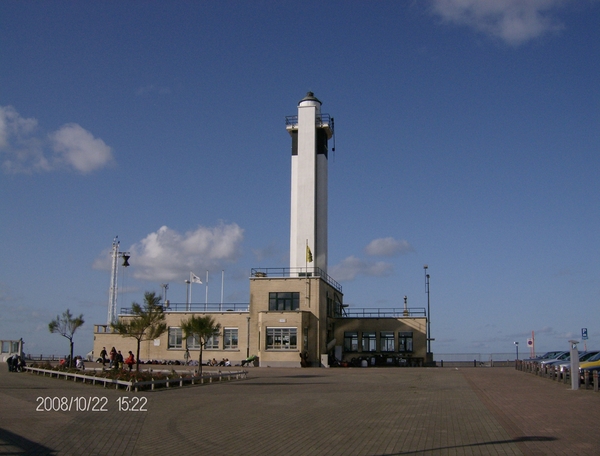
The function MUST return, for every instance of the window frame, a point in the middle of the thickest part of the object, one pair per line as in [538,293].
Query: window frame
[175,338]
[282,301]
[273,332]
[385,339]
[369,341]
[212,343]
[228,333]
[351,341]
[405,342]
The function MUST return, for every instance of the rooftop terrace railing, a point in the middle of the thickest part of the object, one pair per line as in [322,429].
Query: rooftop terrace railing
[197,307]
[295,273]
[384,313]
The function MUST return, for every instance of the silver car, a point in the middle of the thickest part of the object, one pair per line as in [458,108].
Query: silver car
[565,365]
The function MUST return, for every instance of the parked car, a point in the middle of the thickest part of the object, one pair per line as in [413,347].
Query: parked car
[548,355]
[565,365]
[560,357]
[591,362]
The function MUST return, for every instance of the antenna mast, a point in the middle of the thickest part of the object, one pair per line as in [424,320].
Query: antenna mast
[112,293]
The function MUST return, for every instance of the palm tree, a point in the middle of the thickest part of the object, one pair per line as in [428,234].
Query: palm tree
[66,327]
[148,322]
[201,327]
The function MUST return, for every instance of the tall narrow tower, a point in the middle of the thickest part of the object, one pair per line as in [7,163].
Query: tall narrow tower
[310,131]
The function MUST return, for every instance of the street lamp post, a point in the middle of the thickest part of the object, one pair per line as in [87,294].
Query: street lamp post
[428,310]
[517,348]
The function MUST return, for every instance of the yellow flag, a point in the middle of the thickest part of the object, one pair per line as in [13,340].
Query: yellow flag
[308,255]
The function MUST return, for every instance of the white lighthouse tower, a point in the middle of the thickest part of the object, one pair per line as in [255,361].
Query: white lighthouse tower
[310,131]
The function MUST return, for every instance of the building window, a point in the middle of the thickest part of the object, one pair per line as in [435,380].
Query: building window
[175,338]
[284,301]
[369,341]
[193,342]
[212,343]
[230,338]
[405,341]
[282,339]
[350,341]
[386,340]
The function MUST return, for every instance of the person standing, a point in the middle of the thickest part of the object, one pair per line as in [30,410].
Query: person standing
[119,360]
[103,355]
[130,361]
[112,357]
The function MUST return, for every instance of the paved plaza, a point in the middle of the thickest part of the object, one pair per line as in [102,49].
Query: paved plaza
[360,411]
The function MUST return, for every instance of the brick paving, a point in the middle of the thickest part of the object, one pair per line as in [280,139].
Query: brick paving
[362,411]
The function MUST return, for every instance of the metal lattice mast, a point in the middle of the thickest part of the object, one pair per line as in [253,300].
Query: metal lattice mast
[112,294]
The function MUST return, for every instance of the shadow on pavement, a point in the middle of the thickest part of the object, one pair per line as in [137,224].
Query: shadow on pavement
[11,443]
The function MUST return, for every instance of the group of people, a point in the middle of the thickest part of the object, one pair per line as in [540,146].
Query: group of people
[223,362]
[66,362]
[115,359]
[15,363]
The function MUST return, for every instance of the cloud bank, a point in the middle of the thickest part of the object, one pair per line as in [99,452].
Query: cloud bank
[24,150]
[513,21]
[388,247]
[167,255]
[351,267]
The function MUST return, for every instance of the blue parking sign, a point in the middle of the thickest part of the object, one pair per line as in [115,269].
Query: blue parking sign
[584,333]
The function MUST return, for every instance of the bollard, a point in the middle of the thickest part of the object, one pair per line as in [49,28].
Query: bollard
[474,363]
[442,363]
[586,379]
[595,380]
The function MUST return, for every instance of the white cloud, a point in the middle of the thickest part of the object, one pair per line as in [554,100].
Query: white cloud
[351,267]
[168,255]
[24,150]
[78,148]
[514,21]
[388,247]
[20,149]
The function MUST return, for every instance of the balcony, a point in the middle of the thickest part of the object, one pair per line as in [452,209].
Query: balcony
[295,273]
[324,121]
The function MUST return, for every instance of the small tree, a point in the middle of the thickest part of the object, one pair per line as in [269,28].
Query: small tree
[147,323]
[201,327]
[66,327]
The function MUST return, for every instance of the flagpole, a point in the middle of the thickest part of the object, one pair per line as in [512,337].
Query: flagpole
[222,281]
[191,281]
[206,299]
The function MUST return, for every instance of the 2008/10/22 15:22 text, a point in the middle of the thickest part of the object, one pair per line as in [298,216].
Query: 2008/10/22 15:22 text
[90,404]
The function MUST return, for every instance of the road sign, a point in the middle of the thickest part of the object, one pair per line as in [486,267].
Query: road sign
[584,335]
[530,342]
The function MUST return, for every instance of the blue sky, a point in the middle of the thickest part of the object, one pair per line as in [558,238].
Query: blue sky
[467,138]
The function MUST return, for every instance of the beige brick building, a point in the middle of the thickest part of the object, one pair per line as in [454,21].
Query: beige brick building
[288,315]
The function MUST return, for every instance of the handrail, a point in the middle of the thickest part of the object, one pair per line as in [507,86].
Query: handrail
[320,120]
[385,312]
[295,273]
[198,307]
